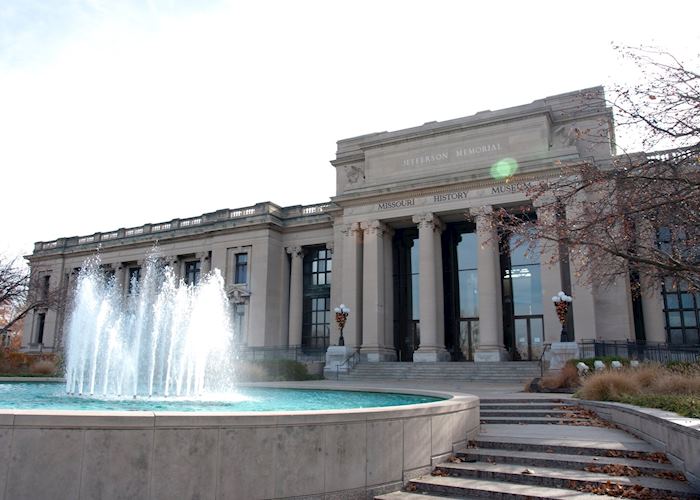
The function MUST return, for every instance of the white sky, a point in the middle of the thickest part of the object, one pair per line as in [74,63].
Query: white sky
[115,113]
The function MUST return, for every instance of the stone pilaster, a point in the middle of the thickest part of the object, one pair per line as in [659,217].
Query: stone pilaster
[296,295]
[650,291]
[551,273]
[351,294]
[204,264]
[581,292]
[432,337]
[489,275]
[373,283]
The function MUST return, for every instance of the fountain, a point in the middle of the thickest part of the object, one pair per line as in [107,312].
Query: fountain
[149,411]
[165,339]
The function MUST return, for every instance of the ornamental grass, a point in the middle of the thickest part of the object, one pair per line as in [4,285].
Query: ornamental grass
[671,388]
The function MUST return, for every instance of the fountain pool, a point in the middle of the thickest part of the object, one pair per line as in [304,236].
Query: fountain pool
[150,411]
[42,396]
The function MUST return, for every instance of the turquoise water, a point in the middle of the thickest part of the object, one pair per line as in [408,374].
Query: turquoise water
[52,396]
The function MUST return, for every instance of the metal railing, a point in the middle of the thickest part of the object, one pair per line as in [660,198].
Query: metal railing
[351,361]
[640,351]
[545,348]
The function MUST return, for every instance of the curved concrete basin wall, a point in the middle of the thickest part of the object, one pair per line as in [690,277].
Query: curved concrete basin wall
[167,455]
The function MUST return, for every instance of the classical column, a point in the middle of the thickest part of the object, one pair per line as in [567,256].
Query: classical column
[351,294]
[373,279]
[296,295]
[489,275]
[551,273]
[119,280]
[432,337]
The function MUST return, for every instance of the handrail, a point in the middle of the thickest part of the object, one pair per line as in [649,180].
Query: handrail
[541,360]
[350,361]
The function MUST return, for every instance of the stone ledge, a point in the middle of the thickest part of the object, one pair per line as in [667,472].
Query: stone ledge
[678,437]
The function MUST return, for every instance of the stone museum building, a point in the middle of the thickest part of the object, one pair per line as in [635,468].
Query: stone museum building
[404,243]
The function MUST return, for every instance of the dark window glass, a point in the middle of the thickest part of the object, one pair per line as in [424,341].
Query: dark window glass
[682,313]
[525,278]
[317,303]
[468,276]
[415,281]
[192,272]
[241,273]
[45,287]
[40,328]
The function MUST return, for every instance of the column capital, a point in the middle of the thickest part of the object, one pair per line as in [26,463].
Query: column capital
[295,251]
[351,229]
[428,221]
[373,227]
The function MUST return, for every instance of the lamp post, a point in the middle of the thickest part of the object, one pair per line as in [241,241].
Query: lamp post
[561,304]
[341,316]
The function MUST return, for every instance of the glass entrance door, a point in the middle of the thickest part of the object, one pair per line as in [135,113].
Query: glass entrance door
[461,290]
[522,299]
[406,293]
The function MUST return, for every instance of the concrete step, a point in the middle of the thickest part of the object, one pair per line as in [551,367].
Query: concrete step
[524,406]
[532,400]
[407,495]
[557,445]
[524,413]
[559,460]
[460,487]
[530,420]
[562,478]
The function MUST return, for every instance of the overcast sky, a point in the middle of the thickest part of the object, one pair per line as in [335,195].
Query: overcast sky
[115,113]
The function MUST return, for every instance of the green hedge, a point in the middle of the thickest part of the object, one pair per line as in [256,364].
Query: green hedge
[687,406]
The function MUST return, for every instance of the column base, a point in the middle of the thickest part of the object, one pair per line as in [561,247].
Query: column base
[335,356]
[430,355]
[377,354]
[490,355]
[560,353]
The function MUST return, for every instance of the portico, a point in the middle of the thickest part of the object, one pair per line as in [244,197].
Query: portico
[406,244]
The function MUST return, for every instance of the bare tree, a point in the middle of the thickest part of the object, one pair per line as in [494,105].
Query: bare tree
[22,292]
[641,212]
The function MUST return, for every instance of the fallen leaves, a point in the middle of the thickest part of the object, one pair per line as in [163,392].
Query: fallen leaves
[636,491]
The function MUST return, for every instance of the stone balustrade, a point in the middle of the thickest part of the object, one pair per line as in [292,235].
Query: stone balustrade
[177,227]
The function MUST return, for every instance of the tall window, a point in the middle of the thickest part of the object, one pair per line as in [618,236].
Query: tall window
[241,271]
[45,287]
[682,311]
[40,328]
[317,302]
[192,272]
[321,264]
[522,299]
[468,294]
[405,249]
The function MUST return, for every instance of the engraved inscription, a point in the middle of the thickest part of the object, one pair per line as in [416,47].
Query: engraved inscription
[386,205]
[461,152]
[459,195]
[511,188]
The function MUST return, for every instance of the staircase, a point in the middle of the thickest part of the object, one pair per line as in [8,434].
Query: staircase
[549,449]
[505,371]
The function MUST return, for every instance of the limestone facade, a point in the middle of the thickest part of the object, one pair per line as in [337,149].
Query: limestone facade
[405,243]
